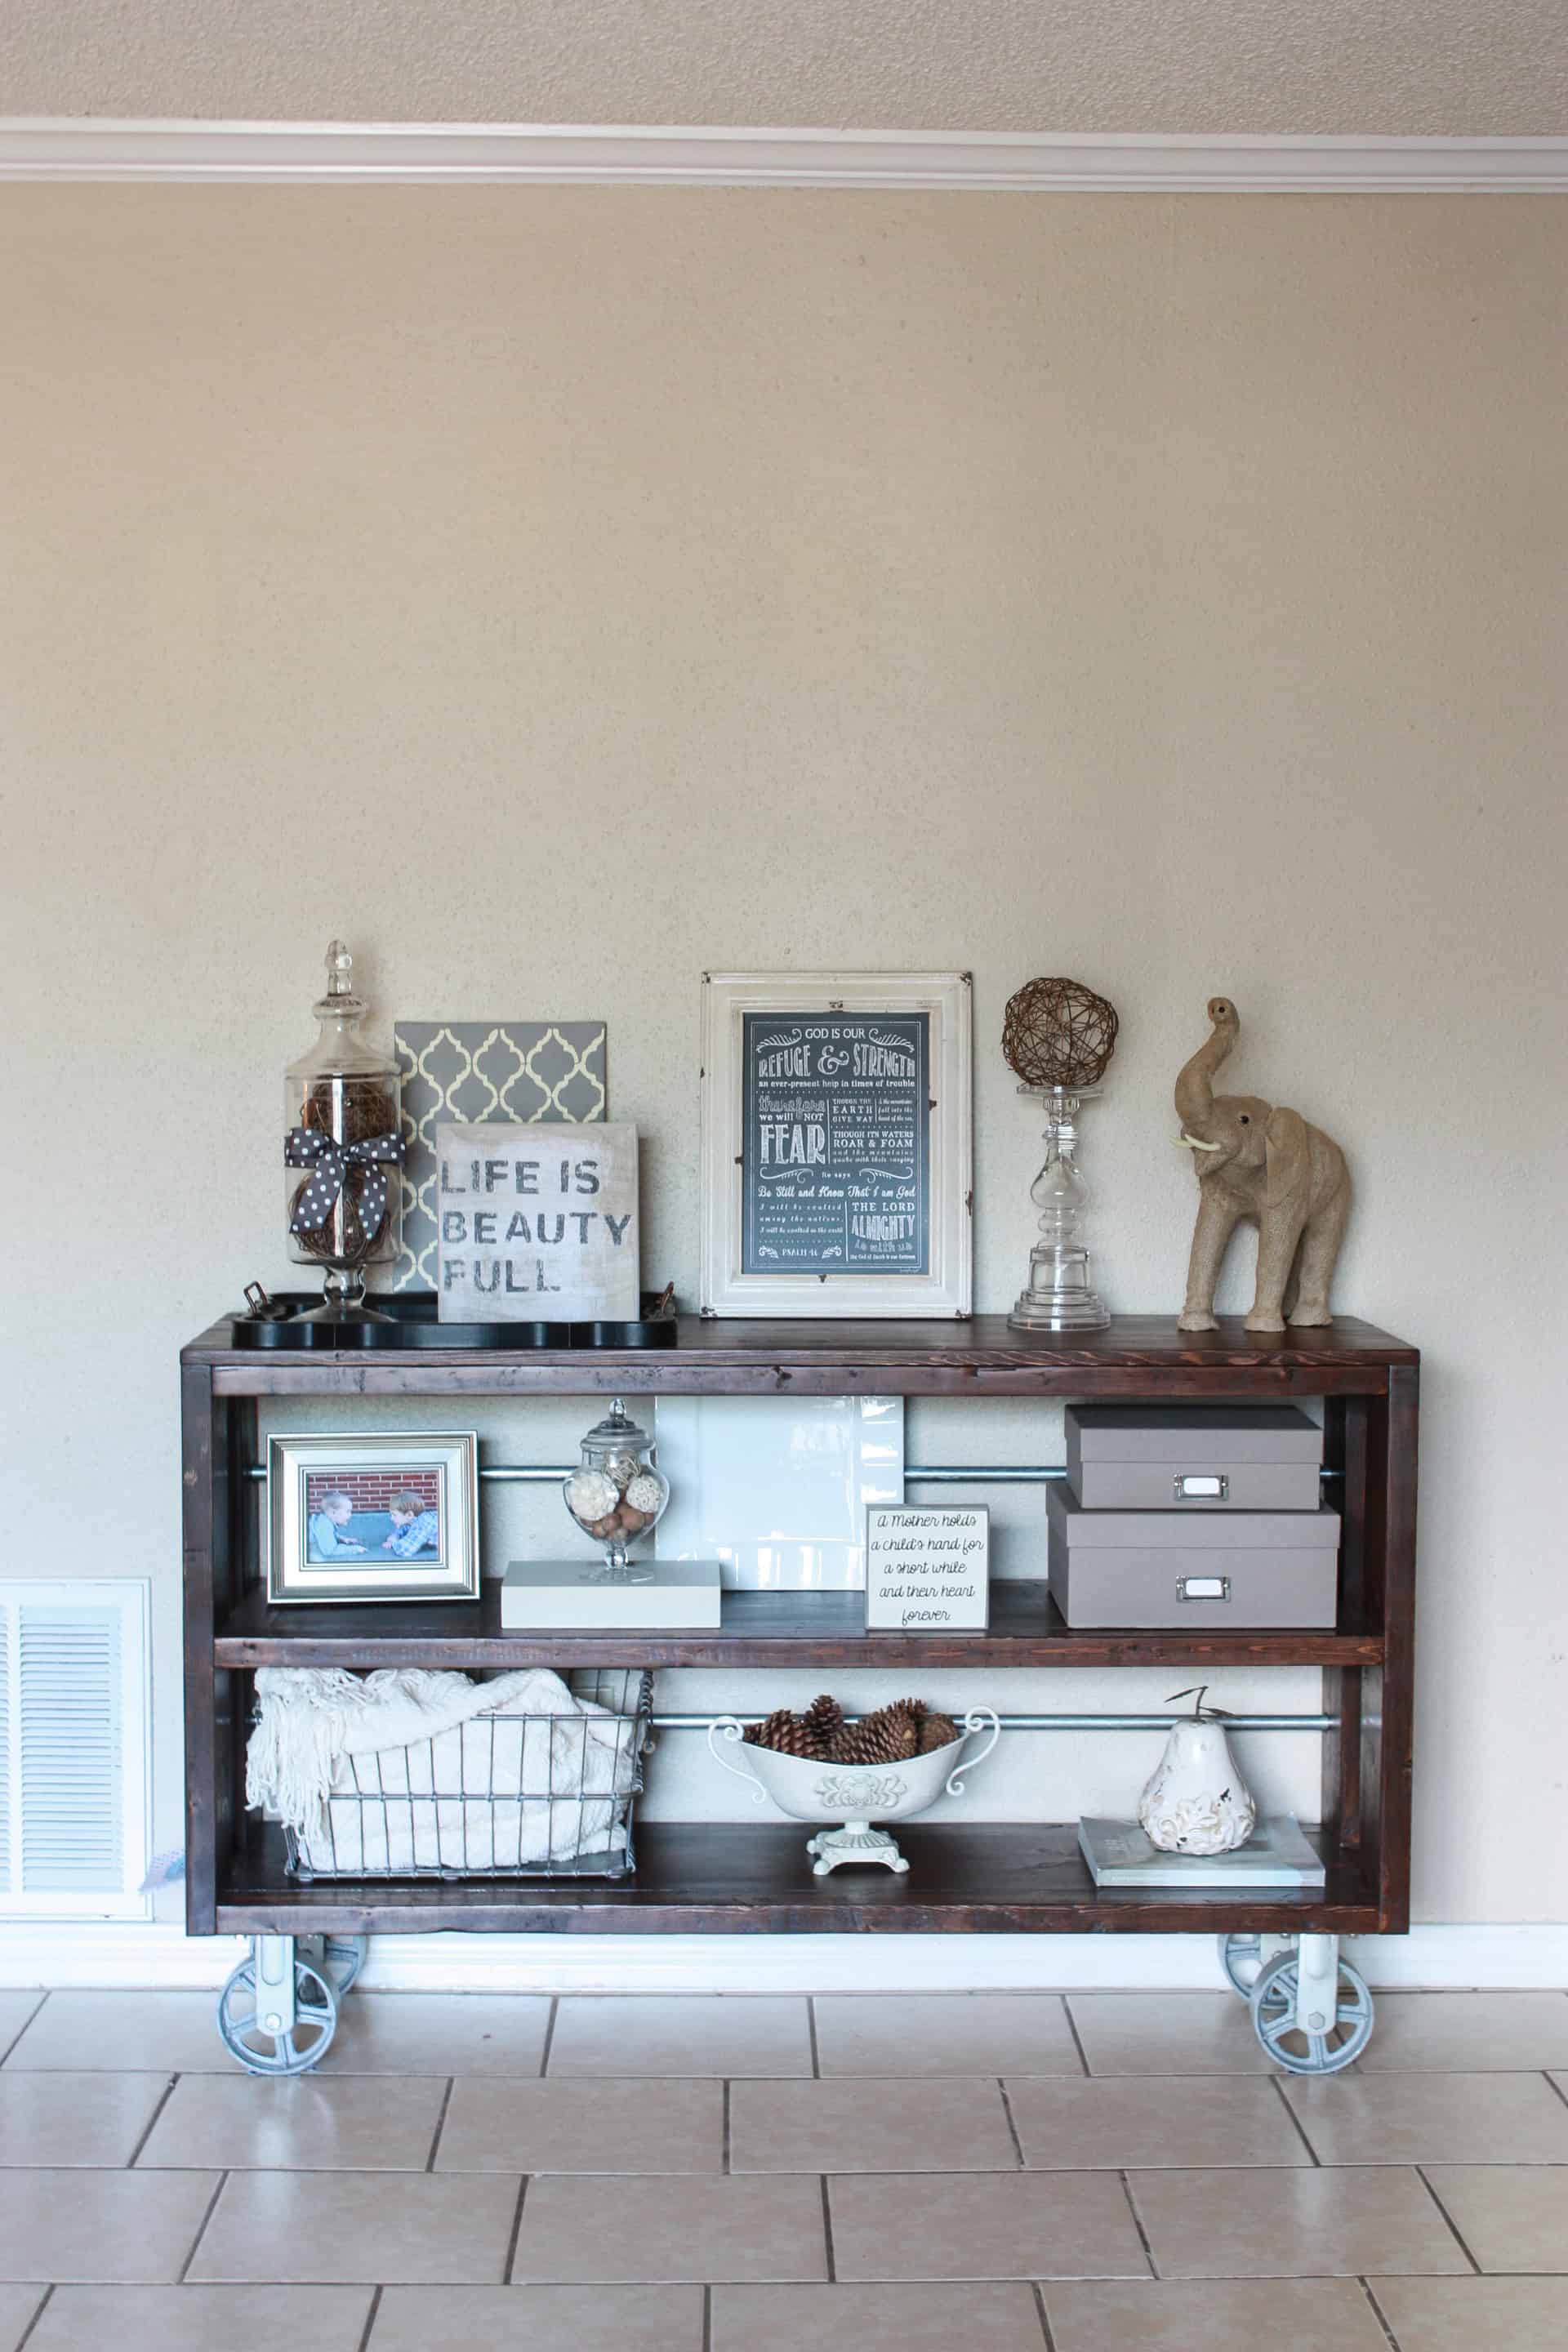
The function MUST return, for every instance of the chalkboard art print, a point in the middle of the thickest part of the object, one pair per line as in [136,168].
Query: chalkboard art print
[836,1144]
[372,1518]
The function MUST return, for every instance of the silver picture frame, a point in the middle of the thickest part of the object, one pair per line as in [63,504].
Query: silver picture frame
[339,1505]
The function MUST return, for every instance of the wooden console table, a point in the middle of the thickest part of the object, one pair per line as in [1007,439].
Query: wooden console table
[1011,1878]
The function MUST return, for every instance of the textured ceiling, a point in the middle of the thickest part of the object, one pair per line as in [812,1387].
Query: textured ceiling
[1381,67]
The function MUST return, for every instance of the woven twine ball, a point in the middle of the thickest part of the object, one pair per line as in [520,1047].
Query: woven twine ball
[1056,1032]
[591,1495]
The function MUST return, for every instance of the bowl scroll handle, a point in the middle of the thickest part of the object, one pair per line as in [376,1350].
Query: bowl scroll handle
[979,1718]
[733,1731]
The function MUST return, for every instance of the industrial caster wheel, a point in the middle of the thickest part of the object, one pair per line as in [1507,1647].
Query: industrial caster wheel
[263,2050]
[1326,2039]
[345,1957]
[1241,1958]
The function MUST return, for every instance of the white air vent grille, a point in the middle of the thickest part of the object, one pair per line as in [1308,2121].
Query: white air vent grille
[6,1775]
[73,1738]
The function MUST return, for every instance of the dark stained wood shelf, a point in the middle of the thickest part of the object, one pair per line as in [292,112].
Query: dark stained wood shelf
[1139,1356]
[759,1629]
[704,1877]
[722,1877]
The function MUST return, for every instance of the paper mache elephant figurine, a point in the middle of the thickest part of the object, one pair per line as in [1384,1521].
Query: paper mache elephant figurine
[1264,1163]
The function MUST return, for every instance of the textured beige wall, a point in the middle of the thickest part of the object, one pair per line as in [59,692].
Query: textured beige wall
[1375,66]
[560,591]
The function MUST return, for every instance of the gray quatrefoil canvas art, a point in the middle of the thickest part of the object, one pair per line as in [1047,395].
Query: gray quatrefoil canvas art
[481,1070]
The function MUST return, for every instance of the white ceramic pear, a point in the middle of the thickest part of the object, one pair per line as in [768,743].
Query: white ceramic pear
[1195,1801]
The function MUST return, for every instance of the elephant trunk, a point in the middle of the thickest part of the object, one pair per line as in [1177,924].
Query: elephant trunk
[1195,1087]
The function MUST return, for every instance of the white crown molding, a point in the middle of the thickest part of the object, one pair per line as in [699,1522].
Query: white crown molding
[72,1953]
[100,148]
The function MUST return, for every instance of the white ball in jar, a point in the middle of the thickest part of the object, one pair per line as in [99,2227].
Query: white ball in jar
[646,1492]
[621,1468]
[590,1495]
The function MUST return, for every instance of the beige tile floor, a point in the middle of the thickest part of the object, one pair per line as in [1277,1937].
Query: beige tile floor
[1010,2172]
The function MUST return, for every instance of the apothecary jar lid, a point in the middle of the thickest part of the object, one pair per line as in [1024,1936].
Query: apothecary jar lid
[617,1429]
[339,1049]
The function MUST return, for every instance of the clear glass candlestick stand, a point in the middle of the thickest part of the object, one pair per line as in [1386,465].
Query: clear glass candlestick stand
[1060,1296]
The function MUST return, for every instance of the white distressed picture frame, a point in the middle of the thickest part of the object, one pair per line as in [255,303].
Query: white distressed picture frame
[946,1288]
[892,1612]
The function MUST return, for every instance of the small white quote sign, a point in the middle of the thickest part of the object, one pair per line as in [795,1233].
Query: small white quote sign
[927,1572]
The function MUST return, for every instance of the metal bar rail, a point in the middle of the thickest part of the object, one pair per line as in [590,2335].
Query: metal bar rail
[928,1474]
[1075,1722]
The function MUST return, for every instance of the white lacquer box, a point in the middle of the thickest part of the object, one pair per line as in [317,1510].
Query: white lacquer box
[577,1594]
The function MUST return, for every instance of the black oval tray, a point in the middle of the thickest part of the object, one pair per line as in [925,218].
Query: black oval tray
[413,1324]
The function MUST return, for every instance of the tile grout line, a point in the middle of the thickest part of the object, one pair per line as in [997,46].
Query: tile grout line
[1137,2224]
[1450,2222]
[369,2318]
[1295,2118]
[1043,2315]
[1556,2087]
[549,2036]
[1077,2037]
[828,2233]
[1012,2126]
[31,2019]
[441,2123]
[725,2164]
[509,2265]
[707,2319]
[163,2098]
[811,2029]
[25,2336]
[212,2207]
[1377,2312]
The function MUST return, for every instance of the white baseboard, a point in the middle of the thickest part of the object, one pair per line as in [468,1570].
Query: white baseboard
[62,1954]
[662,155]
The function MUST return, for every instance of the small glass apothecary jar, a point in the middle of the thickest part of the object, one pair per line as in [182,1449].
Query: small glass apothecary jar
[342,1146]
[618,1493]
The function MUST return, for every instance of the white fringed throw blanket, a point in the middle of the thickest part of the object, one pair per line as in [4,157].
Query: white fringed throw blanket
[408,1769]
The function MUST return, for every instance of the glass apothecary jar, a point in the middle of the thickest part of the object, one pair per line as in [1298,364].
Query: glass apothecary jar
[342,1146]
[618,1493]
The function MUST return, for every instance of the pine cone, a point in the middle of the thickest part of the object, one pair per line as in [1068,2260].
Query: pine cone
[937,1732]
[887,1737]
[825,1719]
[785,1734]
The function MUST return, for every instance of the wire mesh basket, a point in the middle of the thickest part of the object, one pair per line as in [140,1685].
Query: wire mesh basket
[508,1795]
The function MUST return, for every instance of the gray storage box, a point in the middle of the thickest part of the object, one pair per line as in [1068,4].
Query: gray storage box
[1193,1457]
[1240,1569]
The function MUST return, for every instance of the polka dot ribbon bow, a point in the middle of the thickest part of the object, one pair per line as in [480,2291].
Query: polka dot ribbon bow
[329,1161]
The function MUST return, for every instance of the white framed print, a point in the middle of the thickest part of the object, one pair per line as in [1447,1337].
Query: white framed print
[836,1149]
[928,1571]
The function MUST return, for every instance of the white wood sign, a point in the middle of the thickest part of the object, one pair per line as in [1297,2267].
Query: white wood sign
[927,1572]
[536,1224]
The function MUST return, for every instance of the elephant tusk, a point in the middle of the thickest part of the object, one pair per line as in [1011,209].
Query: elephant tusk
[1192,1143]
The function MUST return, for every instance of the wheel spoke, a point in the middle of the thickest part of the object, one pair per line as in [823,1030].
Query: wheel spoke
[243,2025]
